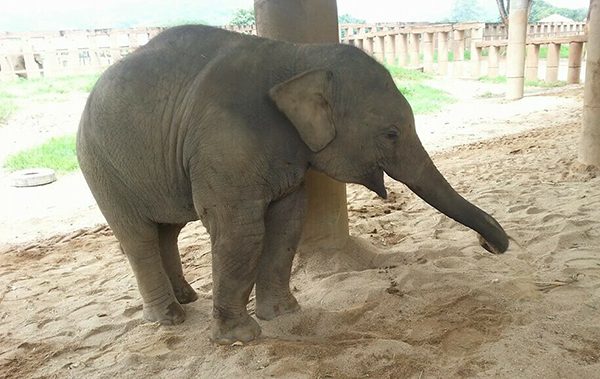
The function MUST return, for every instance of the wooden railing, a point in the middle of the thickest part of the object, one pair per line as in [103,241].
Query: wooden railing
[417,45]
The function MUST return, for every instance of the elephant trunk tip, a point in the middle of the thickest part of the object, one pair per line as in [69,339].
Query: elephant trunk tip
[499,247]
[495,240]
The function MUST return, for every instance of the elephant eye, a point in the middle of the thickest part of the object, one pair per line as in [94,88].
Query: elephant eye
[392,134]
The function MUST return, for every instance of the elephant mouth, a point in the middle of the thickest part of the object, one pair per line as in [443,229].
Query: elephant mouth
[375,183]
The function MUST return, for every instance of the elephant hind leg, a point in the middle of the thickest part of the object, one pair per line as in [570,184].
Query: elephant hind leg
[171,261]
[140,243]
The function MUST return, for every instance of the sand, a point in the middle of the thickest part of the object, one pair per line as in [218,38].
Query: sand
[436,305]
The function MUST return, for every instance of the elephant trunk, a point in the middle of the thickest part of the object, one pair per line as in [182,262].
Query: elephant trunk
[429,184]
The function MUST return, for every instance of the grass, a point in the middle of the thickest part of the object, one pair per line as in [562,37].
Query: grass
[422,98]
[564,51]
[42,89]
[57,153]
[495,80]
[543,84]
[7,107]
[528,83]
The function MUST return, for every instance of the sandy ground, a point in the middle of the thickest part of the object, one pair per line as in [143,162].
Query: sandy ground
[435,305]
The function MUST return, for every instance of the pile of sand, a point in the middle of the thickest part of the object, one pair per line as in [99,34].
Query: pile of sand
[439,305]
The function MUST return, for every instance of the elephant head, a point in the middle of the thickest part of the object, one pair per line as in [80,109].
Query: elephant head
[357,126]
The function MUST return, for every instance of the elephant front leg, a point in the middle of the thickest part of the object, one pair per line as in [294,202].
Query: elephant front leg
[283,223]
[237,245]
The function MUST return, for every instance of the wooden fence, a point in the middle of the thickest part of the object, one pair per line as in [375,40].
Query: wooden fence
[431,47]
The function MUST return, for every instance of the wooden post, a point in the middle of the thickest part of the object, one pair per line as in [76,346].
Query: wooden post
[493,62]
[414,50]
[459,53]
[532,62]
[574,73]
[552,62]
[443,53]
[589,148]
[515,55]
[310,21]
[427,52]
[402,49]
[389,48]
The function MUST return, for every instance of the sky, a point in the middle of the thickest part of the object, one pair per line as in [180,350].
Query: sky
[24,15]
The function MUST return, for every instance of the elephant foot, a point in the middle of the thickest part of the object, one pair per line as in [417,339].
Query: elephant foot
[172,314]
[226,332]
[268,309]
[185,293]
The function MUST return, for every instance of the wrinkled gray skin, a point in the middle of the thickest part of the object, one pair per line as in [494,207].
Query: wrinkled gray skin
[206,124]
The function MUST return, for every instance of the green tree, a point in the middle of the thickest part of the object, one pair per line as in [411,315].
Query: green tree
[349,19]
[541,9]
[466,10]
[243,17]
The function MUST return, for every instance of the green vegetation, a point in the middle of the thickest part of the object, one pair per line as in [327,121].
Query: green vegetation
[564,51]
[243,17]
[541,9]
[495,80]
[42,89]
[466,10]
[7,107]
[57,153]
[541,83]
[422,98]
[349,19]
[528,83]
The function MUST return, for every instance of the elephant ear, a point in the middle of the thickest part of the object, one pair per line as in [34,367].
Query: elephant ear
[306,100]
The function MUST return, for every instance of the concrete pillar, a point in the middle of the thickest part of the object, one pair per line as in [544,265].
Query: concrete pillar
[552,62]
[459,53]
[574,73]
[31,66]
[115,49]
[589,148]
[7,71]
[358,42]
[515,54]
[73,59]
[427,52]
[476,37]
[389,48]
[310,21]
[443,53]
[493,62]
[378,48]
[414,49]
[532,62]
[402,49]
[50,58]
[368,45]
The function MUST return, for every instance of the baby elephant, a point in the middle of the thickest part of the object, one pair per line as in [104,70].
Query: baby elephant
[202,123]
